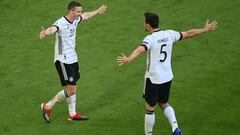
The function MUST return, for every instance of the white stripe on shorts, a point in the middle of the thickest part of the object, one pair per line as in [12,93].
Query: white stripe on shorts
[64,71]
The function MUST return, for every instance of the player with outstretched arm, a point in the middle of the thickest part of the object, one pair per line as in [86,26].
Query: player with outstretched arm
[66,60]
[158,76]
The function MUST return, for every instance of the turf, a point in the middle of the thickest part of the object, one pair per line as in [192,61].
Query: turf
[205,90]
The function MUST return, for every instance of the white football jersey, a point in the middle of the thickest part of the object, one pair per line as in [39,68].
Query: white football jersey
[159,52]
[66,40]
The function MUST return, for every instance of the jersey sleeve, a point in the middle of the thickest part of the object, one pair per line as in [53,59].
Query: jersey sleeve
[146,43]
[58,25]
[80,19]
[175,36]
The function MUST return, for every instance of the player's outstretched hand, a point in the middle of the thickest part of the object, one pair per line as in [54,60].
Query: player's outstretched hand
[102,9]
[42,33]
[210,26]
[122,59]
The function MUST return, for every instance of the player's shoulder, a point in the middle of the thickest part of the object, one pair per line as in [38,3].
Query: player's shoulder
[149,37]
[61,20]
[175,35]
[169,31]
[172,32]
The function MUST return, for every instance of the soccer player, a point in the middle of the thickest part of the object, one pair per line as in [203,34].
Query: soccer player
[66,60]
[158,77]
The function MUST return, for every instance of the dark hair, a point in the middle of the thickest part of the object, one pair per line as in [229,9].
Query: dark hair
[152,19]
[73,4]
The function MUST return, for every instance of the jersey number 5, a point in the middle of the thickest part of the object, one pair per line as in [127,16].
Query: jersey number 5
[163,52]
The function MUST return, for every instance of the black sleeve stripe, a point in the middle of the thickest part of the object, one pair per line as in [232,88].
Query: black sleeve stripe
[56,27]
[181,36]
[80,19]
[145,47]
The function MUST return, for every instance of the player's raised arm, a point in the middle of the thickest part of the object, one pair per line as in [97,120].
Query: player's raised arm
[49,31]
[195,32]
[87,15]
[124,59]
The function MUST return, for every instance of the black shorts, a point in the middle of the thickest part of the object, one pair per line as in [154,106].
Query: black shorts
[156,93]
[68,73]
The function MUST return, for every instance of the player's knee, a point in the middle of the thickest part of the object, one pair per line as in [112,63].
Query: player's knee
[150,108]
[71,90]
[163,105]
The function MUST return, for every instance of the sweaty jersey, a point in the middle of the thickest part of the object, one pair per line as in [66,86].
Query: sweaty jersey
[65,40]
[159,51]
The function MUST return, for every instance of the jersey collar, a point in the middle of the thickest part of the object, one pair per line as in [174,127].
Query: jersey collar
[156,30]
[67,19]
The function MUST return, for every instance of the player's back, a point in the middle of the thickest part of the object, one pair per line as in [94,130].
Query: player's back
[159,55]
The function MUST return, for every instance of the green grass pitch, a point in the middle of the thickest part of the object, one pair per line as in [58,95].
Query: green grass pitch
[205,91]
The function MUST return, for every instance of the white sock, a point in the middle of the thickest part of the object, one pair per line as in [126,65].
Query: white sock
[72,104]
[58,98]
[149,122]
[169,113]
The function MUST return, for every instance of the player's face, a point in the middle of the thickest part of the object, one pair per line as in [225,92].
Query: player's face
[77,12]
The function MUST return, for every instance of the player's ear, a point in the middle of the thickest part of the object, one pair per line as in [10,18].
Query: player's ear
[148,27]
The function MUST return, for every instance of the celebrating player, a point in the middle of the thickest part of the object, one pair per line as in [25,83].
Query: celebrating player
[66,60]
[158,76]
